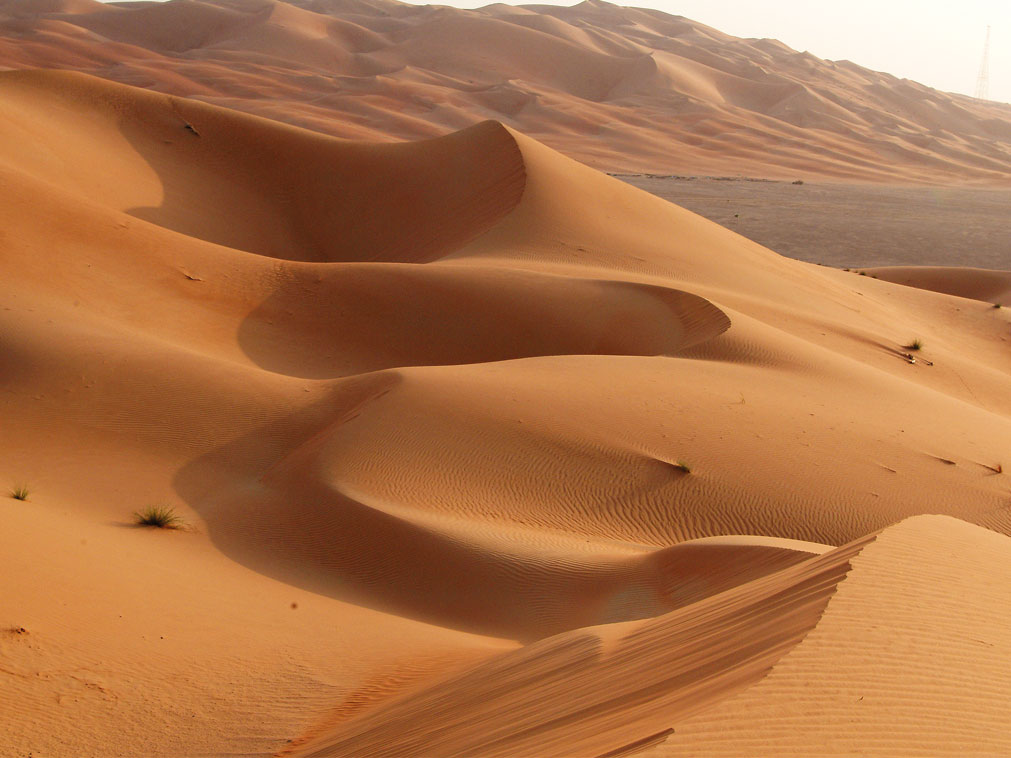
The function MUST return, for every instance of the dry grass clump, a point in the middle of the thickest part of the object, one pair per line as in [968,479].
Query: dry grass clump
[159,516]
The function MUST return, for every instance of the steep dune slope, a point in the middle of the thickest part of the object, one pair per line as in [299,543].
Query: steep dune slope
[625,89]
[597,690]
[453,396]
[212,174]
[908,660]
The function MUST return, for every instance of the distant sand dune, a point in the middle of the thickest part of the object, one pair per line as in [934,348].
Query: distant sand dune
[975,283]
[622,89]
[480,451]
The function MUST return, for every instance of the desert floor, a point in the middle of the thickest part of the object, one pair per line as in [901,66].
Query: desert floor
[852,225]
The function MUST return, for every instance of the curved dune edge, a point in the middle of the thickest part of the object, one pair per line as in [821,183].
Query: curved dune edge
[988,285]
[368,317]
[904,657]
[439,570]
[289,193]
[909,659]
[597,690]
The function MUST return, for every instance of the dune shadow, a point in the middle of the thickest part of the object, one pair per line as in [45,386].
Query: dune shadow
[338,320]
[270,501]
[267,505]
[274,190]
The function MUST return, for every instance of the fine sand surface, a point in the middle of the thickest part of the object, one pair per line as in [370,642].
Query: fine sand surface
[481,453]
[620,89]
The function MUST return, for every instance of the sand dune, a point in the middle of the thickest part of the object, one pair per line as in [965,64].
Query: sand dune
[622,89]
[974,283]
[482,452]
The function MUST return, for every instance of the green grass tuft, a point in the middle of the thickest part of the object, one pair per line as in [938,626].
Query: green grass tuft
[160,516]
[19,492]
[916,344]
[682,466]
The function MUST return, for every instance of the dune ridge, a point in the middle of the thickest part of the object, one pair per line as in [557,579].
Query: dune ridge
[597,690]
[902,662]
[522,417]
[987,285]
[622,89]
[644,687]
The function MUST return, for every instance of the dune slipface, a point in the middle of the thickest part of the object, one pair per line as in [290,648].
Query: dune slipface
[479,452]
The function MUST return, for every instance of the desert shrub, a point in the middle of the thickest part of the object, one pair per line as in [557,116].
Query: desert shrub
[160,516]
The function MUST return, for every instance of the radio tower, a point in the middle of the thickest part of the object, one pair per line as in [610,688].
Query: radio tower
[983,80]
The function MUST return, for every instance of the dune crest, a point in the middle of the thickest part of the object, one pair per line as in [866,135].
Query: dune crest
[595,691]
[907,659]
[291,194]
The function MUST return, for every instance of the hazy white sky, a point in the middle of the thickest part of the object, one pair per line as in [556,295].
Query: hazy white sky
[938,43]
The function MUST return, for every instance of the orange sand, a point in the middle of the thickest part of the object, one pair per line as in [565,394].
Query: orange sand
[482,452]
